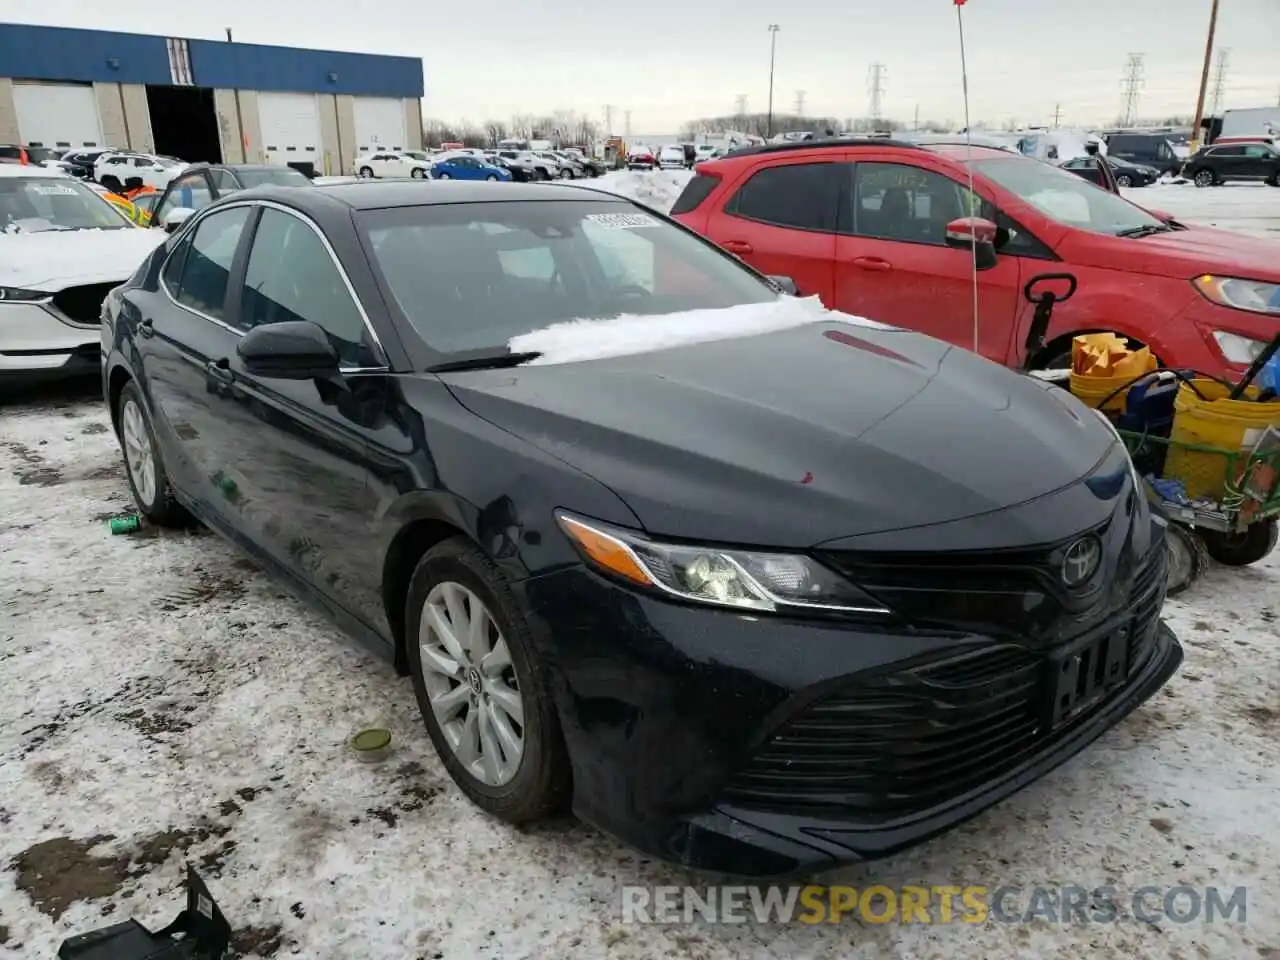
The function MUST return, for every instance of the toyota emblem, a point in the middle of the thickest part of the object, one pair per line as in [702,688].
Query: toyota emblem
[1081,561]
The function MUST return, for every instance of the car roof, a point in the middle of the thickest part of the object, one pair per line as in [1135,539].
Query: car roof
[381,194]
[31,171]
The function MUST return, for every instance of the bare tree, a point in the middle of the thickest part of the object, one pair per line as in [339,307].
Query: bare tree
[522,125]
[495,131]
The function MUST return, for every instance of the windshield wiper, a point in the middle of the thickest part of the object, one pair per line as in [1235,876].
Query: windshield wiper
[492,361]
[1146,230]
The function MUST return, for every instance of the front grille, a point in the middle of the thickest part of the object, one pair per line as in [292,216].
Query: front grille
[894,745]
[83,304]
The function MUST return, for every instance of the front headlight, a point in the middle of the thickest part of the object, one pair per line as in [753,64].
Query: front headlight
[743,579]
[1252,295]
[1237,349]
[14,295]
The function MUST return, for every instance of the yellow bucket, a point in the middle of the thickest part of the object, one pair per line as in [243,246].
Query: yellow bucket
[1093,391]
[1228,425]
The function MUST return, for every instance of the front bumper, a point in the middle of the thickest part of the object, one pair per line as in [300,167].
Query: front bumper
[698,735]
[36,340]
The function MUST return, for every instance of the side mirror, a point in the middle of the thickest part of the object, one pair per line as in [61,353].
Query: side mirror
[785,284]
[976,234]
[176,218]
[289,350]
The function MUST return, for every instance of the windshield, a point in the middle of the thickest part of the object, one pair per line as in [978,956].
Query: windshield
[41,204]
[165,161]
[470,277]
[284,177]
[1064,197]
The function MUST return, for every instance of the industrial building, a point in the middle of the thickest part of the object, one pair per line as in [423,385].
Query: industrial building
[205,100]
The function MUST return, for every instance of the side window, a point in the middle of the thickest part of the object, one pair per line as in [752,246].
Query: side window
[223,181]
[1257,150]
[801,195]
[292,276]
[208,262]
[171,275]
[896,201]
[191,191]
[141,162]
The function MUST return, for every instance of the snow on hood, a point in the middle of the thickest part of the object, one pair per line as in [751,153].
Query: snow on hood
[53,260]
[577,340]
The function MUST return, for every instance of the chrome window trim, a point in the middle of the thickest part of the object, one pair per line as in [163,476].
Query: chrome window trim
[193,223]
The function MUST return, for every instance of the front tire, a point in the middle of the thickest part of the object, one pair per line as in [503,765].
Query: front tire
[1124,180]
[1204,178]
[444,176]
[417,173]
[484,695]
[366,173]
[144,467]
[491,178]
[1252,544]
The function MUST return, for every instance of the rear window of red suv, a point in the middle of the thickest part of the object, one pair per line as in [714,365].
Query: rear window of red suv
[695,191]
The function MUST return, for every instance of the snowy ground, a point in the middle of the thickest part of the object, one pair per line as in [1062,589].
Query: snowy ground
[164,701]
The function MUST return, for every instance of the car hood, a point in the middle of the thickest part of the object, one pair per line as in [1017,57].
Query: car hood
[54,260]
[798,436]
[1184,254]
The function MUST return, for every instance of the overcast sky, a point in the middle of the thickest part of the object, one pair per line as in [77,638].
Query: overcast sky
[668,61]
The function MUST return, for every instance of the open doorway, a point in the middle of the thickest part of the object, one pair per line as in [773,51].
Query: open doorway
[184,123]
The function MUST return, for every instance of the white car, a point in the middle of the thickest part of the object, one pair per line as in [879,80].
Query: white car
[534,167]
[116,170]
[403,163]
[62,248]
[671,157]
[706,151]
[556,166]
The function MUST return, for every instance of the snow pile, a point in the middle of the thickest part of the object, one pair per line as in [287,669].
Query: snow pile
[657,188]
[1244,207]
[55,259]
[577,340]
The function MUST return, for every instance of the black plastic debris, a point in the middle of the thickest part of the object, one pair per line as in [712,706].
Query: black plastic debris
[200,932]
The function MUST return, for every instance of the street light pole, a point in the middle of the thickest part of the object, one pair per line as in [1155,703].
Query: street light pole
[773,46]
[1204,77]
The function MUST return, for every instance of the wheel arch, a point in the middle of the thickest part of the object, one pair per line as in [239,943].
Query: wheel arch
[116,381]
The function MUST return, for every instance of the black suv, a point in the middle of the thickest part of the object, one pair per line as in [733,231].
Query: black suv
[1234,161]
[1146,150]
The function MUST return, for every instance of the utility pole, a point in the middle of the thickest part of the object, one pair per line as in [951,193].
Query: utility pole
[799,103]
[773,49]
[915,124]
[1057,116]
[626,123]
[1219,81]
[1204,77]
[1130,87]
[228,34]
[875,88]
[608,119]
[740,106]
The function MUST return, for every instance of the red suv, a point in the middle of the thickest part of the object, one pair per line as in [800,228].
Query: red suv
[870,227]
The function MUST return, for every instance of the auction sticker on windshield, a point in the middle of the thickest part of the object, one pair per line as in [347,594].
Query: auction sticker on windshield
[53,190]
[622,221]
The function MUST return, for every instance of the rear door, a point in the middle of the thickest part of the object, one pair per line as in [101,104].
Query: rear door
[781,219]
[1259,162]
[181,335]
[893,265]
[191,192]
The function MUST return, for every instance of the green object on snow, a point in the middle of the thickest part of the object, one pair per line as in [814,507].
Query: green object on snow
[371,744]
[126,524]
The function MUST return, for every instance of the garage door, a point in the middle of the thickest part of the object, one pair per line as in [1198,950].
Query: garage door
[57,115]
[379,124]
[290,128]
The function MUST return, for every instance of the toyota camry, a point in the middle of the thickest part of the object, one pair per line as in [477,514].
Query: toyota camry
[755,586]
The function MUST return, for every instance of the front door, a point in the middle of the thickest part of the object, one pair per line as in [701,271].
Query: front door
[781,220]
[181,334]
[893,265]
[295,479]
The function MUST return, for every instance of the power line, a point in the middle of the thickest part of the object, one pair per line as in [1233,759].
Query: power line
[799,103]
[1130,88]
[875,88]
[1220,80]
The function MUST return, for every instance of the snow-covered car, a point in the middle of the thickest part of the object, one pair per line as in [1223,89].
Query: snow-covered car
[671,157]
[402,163]
[706,151]
[117,171]
[62,248]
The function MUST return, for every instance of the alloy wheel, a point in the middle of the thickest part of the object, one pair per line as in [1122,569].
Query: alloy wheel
[1204,178]
[366,172]
[1123,181]
[138,453]
[471,683]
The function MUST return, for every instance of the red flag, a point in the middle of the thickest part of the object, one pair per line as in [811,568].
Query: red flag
[959,3]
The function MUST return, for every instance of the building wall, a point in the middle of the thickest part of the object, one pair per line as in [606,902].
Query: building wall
[229,134]
[289,70]
[8,113]
[111,113]
[85,56]
[137,116]
[347,133]
[413,123]
[330,138]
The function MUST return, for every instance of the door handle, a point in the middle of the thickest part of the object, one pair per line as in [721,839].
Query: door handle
[146,328]
[220,370]
[873,263]
[738,246]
